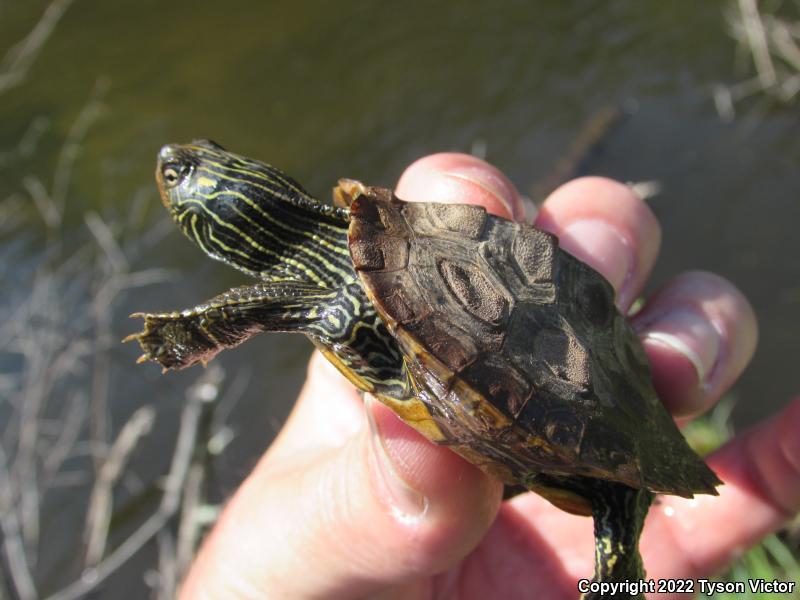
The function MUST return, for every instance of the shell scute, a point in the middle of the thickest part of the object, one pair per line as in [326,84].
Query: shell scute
[431,218]
[505,386]
[372,249]
[474,291]
[534,252]
[448,344]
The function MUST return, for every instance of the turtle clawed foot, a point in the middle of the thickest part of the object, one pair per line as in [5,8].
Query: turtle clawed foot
[160,339]
[175,340]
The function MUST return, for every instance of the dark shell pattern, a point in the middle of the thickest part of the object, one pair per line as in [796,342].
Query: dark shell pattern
[516,347]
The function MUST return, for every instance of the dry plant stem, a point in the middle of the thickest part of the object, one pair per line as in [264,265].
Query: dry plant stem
[72,418]
[48,355]
[784,43]
[17,570]
[42,201]
[167,576]
[757,41]
[105,239]
[772,44]
[199,403]
[98,517]
[190,526]
[29,141]
[52,350]
[18,61]
[101,314]
[70,149]
[594,133]
[11,213]
[175,557]
[58,333]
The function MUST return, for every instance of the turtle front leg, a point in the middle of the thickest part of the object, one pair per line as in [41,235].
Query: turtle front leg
[619,513]
[180,339]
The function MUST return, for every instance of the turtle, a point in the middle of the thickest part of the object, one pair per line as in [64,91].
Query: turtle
[479,332]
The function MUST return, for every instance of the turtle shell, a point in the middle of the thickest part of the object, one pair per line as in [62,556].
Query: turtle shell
[516,348]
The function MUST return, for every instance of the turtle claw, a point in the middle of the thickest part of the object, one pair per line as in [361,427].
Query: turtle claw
[174,340]
[152,340]
[346,191]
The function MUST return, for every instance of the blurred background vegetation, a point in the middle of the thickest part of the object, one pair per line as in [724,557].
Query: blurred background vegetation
[98,493]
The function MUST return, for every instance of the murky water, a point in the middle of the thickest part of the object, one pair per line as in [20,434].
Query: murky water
[361,89]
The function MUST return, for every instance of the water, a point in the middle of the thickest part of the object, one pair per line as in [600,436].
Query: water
[326,90]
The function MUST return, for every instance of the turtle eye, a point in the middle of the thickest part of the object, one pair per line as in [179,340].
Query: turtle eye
[172,174]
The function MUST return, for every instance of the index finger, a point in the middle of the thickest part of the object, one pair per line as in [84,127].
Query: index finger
[455,178]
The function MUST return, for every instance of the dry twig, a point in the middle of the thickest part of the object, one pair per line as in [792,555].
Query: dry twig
[59,329]
[98,515]
[13,547]
[18,61]
[200,402]
[773,45]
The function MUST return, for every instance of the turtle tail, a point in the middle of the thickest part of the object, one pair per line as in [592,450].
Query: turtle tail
[618,512]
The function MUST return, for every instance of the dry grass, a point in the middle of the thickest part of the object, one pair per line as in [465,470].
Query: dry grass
[58,437]
[56,411]
[770,46]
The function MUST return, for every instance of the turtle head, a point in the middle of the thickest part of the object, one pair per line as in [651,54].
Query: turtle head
[180,176]
[242,211]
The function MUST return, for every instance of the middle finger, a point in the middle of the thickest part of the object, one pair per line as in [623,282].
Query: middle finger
[606,225]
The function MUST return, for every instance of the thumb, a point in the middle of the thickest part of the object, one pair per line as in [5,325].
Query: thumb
[380,510]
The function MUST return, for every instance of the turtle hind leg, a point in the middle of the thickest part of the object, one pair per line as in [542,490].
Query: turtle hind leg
[618,512]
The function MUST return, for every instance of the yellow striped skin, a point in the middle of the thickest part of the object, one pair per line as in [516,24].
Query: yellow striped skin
[257,219]
[254,217]
[260,221]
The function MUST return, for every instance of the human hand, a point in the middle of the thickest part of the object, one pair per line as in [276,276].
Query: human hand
[337,508]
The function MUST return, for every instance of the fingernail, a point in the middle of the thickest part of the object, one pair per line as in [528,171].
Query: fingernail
[606,249]
[488,182]
[691,335]
[406,503]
